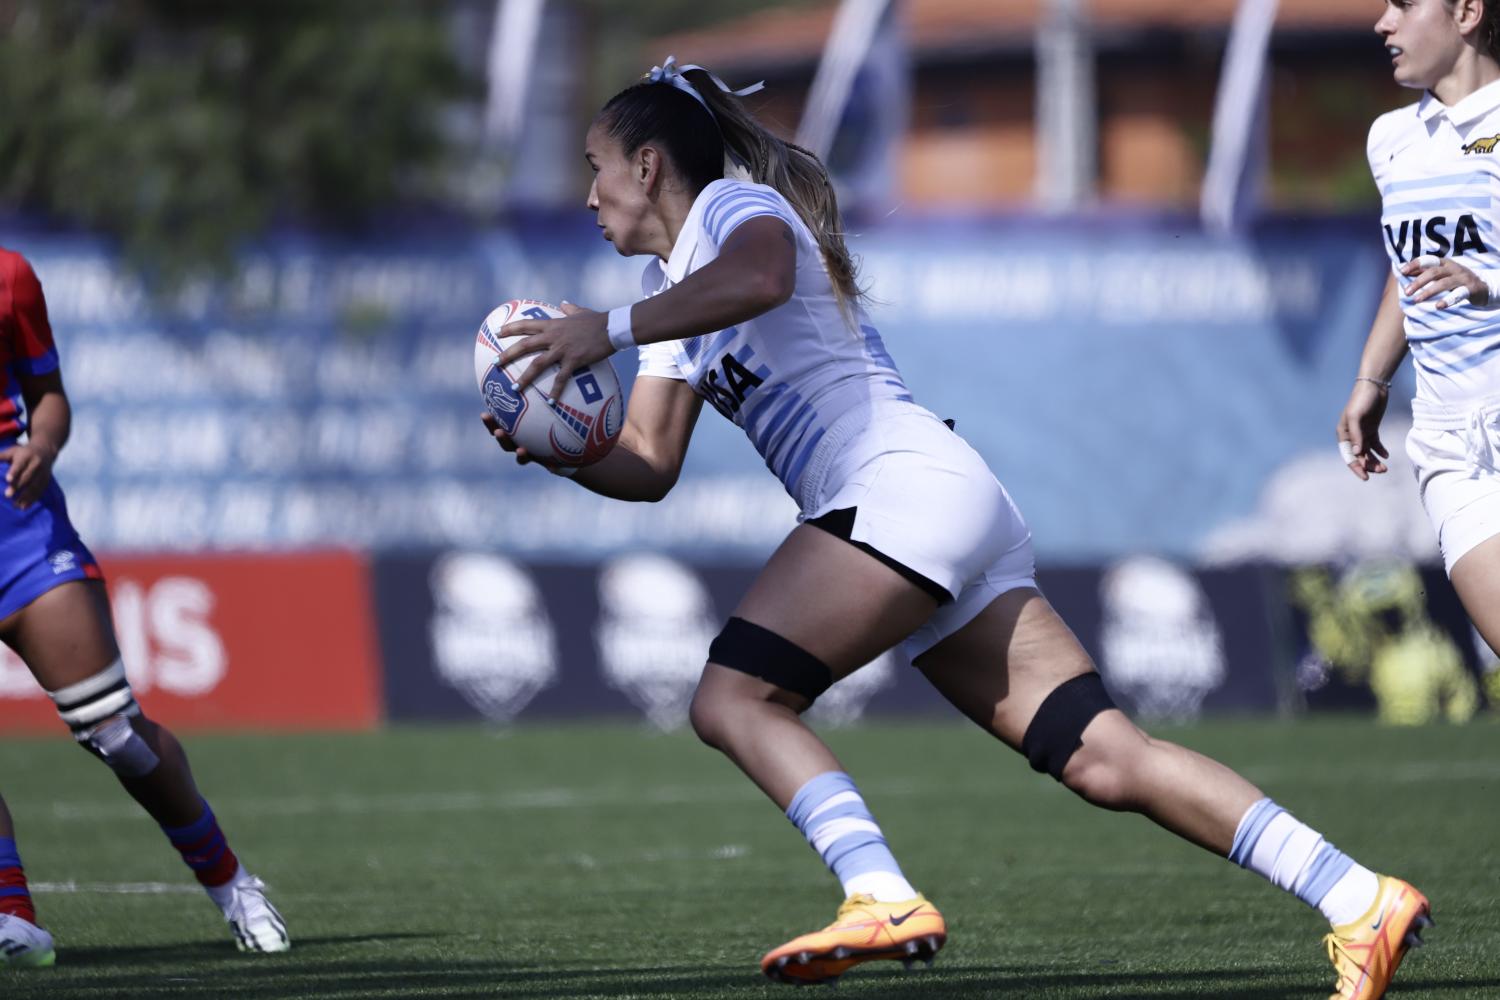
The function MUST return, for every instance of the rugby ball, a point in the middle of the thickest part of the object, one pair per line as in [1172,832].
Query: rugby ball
[585,422]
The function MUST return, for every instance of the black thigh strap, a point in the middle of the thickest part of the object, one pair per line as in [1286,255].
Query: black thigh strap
[759,652]
[1056,731]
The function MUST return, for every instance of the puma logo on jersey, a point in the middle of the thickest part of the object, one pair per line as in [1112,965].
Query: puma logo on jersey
[1486,145]
[1461,238]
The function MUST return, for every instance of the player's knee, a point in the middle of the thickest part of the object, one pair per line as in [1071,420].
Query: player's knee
[99,710]
[1054,738]
[708,715]
[797,676]
[1102,779]
[767,670]
[116,742]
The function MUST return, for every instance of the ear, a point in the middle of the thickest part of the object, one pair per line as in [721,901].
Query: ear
[650,168]
[1468,15]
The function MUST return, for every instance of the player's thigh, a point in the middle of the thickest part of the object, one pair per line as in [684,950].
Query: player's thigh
[1001,666]
[837,602]
[65,635]
[1476,577]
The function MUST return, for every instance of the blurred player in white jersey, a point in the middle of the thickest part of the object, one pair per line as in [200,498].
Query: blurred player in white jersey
[905,535]
[1437,164]
[54,612]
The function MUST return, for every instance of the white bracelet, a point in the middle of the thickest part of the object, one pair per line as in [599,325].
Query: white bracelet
[1384,383]
[1493,302]
[620,334]
[566,471]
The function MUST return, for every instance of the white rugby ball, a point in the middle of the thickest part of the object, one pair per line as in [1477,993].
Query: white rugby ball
[584,424]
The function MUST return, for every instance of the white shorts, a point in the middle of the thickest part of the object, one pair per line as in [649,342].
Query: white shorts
[925,501]
[1455,451]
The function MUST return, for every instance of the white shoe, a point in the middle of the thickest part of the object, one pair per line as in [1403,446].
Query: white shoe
[23,943]
[255,923]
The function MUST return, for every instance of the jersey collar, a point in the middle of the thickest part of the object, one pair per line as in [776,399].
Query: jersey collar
[680,262]
[1476,105]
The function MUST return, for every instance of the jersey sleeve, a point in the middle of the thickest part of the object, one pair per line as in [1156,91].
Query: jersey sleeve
[659,360]
[656,359]
[735,204]
[1384,141]
[31,334]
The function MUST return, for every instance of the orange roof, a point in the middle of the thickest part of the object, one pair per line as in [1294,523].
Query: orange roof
[796,35]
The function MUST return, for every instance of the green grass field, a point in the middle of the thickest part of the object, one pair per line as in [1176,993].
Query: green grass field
[604,861]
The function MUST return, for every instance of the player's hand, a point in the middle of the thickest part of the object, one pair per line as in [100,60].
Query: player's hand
[508,443]
[1359,430]
[1445,277]
[577,340]
[29,473]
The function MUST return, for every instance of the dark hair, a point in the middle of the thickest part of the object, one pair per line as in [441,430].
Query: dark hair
[695,138]
[1489,28]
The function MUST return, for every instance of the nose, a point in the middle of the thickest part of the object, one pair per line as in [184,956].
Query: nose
[593,202]
[1384,27]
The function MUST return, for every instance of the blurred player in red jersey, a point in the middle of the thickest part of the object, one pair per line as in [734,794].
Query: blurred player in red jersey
[54,612]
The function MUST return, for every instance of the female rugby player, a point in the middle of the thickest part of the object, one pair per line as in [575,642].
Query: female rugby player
[905,535]
[1434,162]
[54,612]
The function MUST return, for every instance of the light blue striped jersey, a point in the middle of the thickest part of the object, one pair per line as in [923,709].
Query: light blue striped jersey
[1438,171]
[787,375]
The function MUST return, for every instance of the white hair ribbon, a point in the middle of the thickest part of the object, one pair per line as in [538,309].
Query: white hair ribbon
[670,72]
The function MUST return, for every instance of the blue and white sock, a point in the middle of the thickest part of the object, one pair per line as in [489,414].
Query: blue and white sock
[833,817]
[1270,842]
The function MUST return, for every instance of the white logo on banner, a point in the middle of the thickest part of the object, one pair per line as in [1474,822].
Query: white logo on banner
[165,636]
[1161,645]
[655,626]
[656,623]
[492,640]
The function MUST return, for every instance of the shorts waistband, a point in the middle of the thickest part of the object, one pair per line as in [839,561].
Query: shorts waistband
[1427,415]
[843,430]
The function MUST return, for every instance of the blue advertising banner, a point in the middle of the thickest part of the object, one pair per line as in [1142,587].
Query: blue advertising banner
[469,634]
[1135,384]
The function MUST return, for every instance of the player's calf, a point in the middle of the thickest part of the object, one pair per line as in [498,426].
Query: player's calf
[106,720]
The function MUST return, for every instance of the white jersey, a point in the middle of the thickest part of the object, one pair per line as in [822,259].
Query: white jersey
[1438,171]
[789,374]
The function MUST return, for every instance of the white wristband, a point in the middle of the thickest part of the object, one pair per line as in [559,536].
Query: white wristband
[566,471]
[620,334]
[1493,302]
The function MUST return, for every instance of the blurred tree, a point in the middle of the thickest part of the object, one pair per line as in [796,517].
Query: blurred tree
[182,127]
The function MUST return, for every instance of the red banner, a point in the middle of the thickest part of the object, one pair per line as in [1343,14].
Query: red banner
[232,642]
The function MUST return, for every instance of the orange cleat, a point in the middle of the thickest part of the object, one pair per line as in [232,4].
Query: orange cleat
[912,930]
[1367,952]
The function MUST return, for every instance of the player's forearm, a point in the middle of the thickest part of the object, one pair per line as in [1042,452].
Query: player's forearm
[624,474]
[717,296]
[49,421]
[1386,345]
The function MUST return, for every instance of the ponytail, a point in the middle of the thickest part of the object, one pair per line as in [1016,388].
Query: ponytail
[704,128]
[796,173]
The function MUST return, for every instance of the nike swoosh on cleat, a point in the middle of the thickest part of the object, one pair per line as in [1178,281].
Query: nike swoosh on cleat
[1378,921]
[898,921]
